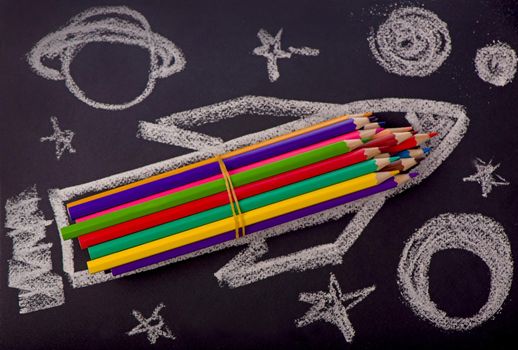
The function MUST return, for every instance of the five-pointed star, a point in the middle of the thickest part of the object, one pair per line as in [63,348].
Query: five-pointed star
[329,307]
[485,177]
[154,326]
[63,139]
[272,51]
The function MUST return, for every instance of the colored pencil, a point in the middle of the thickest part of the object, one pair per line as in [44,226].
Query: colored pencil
[209,188]
[412,142]
[224,156]
[382,155]
[375,125]
[402,164]
[358,134]
[388,131]
[251,217]
[246,205]
[389,140]
[211,169]
[221,198]
[263,225]
[417,153]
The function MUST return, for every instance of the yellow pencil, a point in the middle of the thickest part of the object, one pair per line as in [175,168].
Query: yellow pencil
[226,155]
[251,217]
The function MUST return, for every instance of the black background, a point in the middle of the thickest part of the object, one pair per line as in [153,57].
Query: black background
[217,39]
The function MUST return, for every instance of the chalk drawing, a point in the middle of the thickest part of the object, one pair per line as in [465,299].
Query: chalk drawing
[485,177]
[411,42]
[109,24]
[153,326]
[30,268]
[451,121]
[329,307]
[63,139]
[496,63]
[475,233]
[271,49]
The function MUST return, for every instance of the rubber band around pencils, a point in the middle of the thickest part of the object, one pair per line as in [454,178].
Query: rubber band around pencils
[232,199]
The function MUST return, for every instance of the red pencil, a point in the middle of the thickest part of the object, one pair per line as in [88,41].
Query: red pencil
[389,131]
[221,198]
[389,140]
[412,142]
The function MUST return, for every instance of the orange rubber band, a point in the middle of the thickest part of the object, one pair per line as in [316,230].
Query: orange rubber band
[239,221]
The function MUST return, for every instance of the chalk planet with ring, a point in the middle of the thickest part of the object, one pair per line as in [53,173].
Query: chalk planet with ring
[110,24]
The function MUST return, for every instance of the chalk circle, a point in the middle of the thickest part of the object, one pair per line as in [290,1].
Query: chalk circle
[111,24]
[496,63]
[475,233]
[411,42]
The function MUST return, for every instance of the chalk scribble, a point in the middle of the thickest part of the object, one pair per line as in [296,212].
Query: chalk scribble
[329,307]
[496,63]
[154,326]
[30,268]
[411,42]
[475,233]
[485,177]
[63,139]
[109,24]
[271,49]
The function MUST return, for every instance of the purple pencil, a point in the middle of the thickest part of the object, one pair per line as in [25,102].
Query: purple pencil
[211,169]
[227,236]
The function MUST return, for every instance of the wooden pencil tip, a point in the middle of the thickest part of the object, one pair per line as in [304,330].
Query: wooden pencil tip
[353,144]
[402,136]
[370,152]
[408,163]
[361,122]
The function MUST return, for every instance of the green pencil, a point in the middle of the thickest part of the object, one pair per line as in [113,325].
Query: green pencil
[247,204]
[209,188]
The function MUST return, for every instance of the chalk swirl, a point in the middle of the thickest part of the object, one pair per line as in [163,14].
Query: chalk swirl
[109,24]
[411,42]
[474,233]
[496,64]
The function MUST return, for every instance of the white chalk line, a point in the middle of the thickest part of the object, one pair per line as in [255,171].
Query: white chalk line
[108,24]
[30,268]
[271,50]
[475,233]
[62,138]
[329,307]
[307,259]
[496,63]
[154,326]
[485,176]
[412,42]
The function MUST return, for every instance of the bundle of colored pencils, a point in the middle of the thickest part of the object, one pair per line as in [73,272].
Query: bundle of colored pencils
[245,191]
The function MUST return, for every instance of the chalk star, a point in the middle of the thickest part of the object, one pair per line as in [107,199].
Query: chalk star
[485,177]
[154,326]
[272,51]
[329,307]
[63,139]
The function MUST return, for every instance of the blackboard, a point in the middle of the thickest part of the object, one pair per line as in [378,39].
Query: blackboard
[331,63]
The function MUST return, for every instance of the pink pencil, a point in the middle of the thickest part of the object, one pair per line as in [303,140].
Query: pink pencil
[358,134]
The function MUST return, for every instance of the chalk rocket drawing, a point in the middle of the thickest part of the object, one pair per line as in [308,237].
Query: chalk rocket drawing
[411,42]
[496,63]
[329,307]
[485,176]
[475,233]
[448,119]
[154,326]
[271,49]
[30,268]
[109,24]
[62,138]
